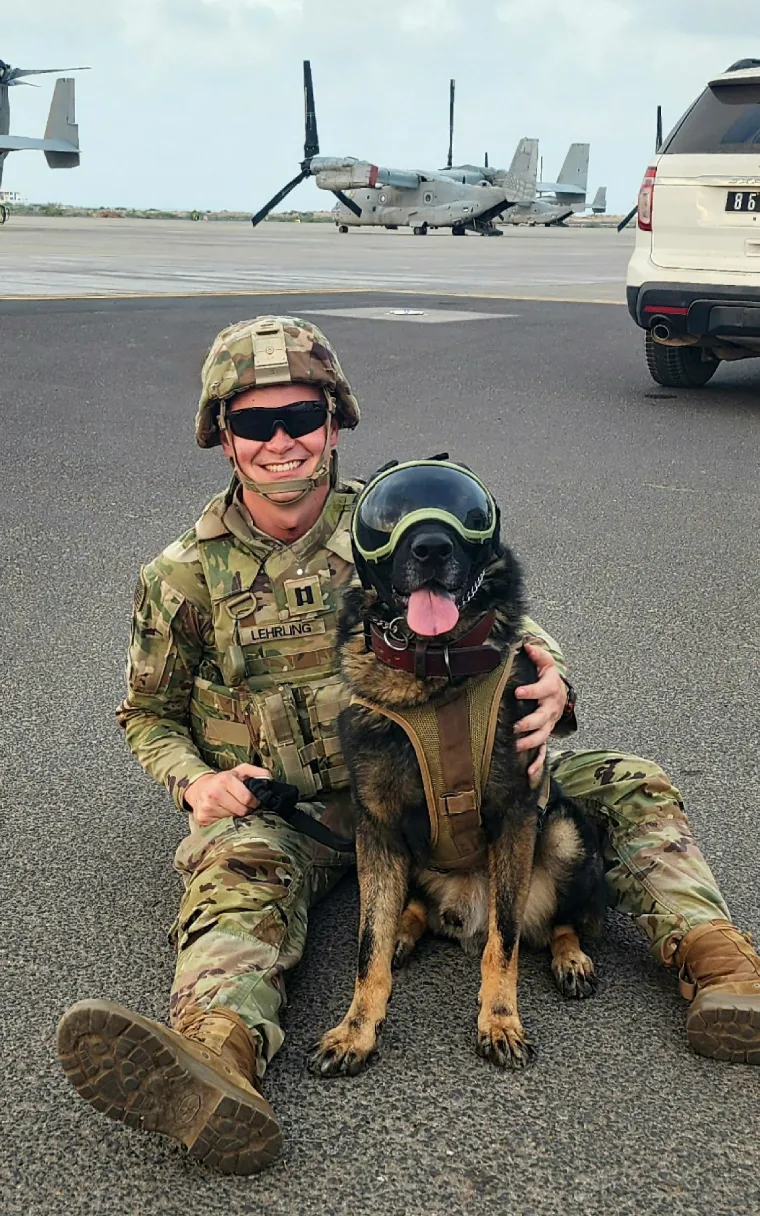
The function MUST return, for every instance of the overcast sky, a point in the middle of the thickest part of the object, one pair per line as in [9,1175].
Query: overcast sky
[198,103]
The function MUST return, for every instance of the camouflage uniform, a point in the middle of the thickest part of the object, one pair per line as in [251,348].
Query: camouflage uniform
[190,709]
[655,871]
[232,659]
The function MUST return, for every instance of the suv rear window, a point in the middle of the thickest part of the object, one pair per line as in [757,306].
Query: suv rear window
[726,118]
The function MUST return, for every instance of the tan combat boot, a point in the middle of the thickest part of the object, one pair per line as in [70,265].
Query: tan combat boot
[720,975]
[196,1086]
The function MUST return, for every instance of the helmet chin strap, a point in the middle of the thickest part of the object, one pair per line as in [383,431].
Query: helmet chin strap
[299,487]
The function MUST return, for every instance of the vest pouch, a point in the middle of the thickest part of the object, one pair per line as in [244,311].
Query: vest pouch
[225,729]
[322,702]
[283,746]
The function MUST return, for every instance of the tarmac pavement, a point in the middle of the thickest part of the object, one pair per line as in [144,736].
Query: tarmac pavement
[636,513]
[43,256]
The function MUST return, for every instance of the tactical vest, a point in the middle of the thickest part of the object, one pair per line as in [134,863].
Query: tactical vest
[454,746]
[274,610]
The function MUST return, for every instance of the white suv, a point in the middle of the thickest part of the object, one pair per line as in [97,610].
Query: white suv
[694,277]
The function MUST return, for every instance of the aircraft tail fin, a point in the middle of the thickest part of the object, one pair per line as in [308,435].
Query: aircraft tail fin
[525,160]
[61,126]
[599,205]
[574,171]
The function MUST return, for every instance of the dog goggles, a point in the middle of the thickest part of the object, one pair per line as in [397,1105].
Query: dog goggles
[406,494]
[300,418]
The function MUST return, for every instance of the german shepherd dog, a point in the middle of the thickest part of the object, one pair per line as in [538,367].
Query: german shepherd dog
[540,878]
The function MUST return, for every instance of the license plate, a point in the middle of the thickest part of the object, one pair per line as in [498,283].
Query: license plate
[743,200]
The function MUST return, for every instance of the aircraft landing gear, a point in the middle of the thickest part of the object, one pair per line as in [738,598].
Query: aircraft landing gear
[458,230]
[420,230]
[342,227]
[3,213]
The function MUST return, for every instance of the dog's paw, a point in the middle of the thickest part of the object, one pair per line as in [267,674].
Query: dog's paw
[503,1041]
[402,951]
[342,1052]
[575,976]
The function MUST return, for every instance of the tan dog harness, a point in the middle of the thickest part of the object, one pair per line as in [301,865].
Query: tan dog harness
[454,747]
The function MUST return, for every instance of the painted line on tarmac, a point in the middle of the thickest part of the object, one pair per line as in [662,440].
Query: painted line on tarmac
[315,291]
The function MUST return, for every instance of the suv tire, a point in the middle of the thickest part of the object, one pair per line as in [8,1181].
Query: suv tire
[679,366]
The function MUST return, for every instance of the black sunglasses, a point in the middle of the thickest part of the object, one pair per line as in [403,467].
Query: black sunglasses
[300,418]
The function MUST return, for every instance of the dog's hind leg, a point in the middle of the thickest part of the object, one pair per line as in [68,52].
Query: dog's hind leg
[414,923]
[582,896]
[383,884]
[573,970]
[501,1036]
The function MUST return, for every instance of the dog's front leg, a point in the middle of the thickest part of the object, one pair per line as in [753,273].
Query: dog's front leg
[501,1036]
[383,882]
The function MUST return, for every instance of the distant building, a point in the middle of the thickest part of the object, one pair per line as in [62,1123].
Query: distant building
[11,197]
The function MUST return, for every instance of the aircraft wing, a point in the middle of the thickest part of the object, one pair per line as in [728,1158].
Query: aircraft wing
[20,143]
[558,188]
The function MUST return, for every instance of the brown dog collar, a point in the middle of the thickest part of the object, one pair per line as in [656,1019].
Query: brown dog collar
[469,655]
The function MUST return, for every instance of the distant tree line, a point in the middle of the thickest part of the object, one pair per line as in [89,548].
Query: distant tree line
[152,213]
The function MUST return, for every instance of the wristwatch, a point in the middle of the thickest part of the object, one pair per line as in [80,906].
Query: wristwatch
[568,721]
[570,700]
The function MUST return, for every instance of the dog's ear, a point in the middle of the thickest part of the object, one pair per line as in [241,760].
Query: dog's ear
[390,464]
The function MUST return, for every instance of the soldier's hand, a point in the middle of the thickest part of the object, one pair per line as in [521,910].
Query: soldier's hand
[220,795]
[551,694]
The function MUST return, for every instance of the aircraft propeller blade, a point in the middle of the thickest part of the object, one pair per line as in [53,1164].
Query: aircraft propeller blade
[311,138]
[16,72]
[624,223]
[658,144]
[279,196]
[450,159]
[486,161]
[347,202]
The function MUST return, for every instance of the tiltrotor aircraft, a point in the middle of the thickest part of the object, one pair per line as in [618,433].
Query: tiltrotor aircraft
[394,198]
[557,201]
[377,203]
[61,141]
[550,202]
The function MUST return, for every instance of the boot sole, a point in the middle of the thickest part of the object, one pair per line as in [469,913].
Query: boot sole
[725,1027]
[133,1071]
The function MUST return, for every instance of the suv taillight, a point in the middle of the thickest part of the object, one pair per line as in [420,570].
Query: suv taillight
[646,199]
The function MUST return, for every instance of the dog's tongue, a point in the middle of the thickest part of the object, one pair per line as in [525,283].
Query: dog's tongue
[431,612]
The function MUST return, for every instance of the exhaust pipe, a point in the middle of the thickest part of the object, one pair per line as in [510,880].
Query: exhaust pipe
[661,330]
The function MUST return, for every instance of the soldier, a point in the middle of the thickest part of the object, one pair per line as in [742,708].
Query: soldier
[232,674]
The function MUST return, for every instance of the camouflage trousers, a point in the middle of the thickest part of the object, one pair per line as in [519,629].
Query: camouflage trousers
[249,884]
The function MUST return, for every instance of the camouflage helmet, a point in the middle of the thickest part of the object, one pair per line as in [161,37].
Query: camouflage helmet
[264,351]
